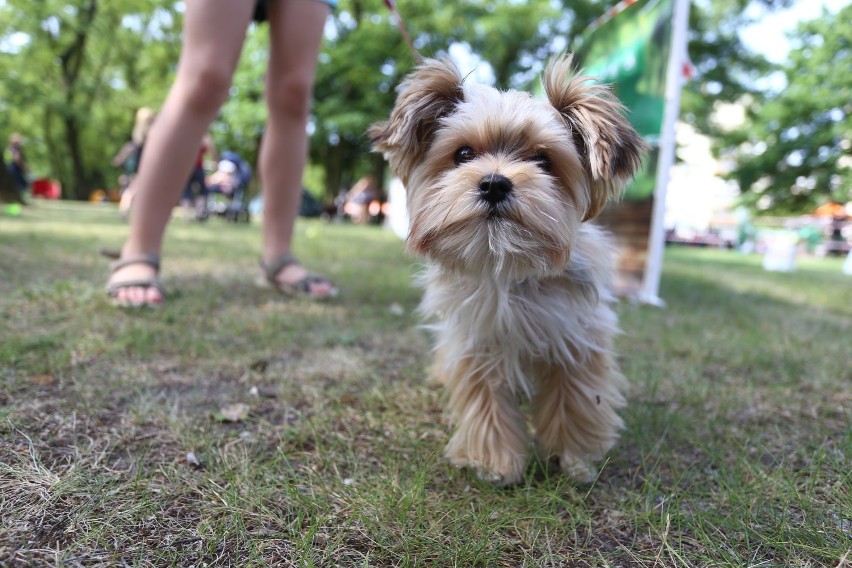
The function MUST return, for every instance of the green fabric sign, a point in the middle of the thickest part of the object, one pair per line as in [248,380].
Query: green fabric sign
[630,50]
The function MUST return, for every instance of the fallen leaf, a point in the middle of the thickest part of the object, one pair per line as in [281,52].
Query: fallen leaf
[42,379]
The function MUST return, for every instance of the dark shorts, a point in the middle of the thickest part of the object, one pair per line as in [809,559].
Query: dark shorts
[260,8]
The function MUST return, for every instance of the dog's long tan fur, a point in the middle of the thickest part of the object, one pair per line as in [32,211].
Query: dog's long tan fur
[517,286]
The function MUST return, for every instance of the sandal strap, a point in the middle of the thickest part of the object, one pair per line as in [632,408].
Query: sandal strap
[113,289]
[151,260]
[304,285]
[272,268]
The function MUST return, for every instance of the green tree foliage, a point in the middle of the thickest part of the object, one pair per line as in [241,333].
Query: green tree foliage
[73,73]
[794,151]
[366,57]
[725,69]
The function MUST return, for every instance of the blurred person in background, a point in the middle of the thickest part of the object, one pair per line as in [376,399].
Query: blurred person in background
[129,157]
[17,165]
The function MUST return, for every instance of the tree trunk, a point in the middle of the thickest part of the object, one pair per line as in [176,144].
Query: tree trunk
[333,171]
[53,149]
[80,186]
[72,61]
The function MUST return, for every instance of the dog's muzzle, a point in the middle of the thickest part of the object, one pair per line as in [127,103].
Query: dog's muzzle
[495,188]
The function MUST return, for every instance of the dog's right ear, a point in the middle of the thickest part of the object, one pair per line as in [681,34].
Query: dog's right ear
[609,146]
[428,94]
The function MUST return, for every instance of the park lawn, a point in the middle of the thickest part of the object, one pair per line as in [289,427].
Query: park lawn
[233,427]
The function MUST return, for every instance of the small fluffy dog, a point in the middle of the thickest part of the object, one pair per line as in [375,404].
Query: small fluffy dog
[517,285]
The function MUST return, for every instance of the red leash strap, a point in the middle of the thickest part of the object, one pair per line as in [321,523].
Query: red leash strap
[403,30]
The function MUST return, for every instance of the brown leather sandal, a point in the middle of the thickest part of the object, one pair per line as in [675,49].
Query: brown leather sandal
[300,287]
[113,288]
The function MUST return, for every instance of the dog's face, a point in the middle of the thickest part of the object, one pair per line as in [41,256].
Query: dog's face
[500,182]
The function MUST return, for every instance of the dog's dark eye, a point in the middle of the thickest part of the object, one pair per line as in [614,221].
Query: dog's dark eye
[464,154]
[543,162]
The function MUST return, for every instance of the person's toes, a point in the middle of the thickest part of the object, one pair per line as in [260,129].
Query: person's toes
[153,296]
[321,289]
[120,297]
[135,295]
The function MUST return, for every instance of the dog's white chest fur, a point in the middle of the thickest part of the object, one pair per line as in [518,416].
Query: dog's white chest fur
[514,324]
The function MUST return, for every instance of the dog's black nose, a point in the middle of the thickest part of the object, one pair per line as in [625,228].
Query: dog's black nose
[494,188]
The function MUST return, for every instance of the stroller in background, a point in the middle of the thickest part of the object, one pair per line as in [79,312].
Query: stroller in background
[227,188]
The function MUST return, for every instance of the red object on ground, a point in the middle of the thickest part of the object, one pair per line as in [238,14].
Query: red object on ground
[47,188]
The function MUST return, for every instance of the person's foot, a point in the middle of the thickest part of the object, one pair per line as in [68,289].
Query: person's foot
[317,287]
[134,282]
[290,277]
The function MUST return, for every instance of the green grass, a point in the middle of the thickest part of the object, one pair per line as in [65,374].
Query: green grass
[736,452]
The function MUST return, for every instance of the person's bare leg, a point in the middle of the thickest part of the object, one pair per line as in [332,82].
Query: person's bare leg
[296,31]
[213,37]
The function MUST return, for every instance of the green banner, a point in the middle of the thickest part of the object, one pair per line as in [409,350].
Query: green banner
[630,50]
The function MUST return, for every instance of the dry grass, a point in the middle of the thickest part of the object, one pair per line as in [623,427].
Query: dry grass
[114,448]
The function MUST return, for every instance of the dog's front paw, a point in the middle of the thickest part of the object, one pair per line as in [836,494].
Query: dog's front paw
[500,468]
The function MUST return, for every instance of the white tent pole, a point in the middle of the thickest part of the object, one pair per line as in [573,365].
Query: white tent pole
[674,81]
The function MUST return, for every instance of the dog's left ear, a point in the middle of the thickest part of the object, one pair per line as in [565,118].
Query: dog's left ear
[610,148]
[430,93]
